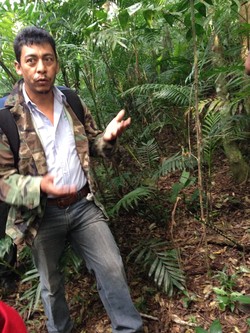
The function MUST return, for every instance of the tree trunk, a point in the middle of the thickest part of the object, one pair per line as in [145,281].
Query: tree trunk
[239,167]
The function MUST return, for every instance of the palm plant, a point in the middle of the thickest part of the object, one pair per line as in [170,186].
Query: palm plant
[141,58]
[31,298]
[163,264]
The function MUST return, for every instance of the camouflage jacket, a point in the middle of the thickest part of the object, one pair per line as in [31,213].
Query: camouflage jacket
[20,187]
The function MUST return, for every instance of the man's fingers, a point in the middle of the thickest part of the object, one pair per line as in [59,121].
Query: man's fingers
[120,115]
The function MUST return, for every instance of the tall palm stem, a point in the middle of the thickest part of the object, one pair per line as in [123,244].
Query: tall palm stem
[198,125]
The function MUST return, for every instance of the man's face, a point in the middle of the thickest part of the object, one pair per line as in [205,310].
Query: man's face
[38,66]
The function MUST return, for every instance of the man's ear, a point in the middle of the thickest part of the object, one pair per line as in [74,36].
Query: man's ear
[18,68]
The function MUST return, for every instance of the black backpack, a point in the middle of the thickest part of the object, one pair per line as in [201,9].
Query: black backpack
[8,126]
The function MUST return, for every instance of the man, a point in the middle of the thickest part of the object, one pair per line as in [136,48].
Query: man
[51,194]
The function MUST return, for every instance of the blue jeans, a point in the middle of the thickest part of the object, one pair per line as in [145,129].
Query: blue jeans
[83,224]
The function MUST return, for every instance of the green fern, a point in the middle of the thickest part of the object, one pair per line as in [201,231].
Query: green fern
[212,134]
[214,328]
[238,128]
[179,161]
[174,94]
[5,245]
[31,296]
[148,153]
[163,264]
[132,199]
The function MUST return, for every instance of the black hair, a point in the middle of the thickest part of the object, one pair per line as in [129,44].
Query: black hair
[32,35]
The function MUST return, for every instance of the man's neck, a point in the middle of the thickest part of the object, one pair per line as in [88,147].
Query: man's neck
[44,102]
[41,99]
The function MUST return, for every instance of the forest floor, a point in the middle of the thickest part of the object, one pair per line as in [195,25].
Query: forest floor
[208,260]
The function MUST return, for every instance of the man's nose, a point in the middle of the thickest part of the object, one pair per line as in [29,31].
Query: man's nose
[41,68]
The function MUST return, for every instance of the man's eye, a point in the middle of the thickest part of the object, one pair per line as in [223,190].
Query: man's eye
[30,61]
[49,59]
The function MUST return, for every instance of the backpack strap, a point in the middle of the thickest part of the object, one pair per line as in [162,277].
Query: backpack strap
[9,127]
[74,102]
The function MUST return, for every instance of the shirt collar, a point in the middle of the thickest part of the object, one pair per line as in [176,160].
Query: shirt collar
[58,95]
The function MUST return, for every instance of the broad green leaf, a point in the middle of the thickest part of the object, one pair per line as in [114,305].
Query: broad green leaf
[170,18]
[158,271]
[141,254]
[100,15]
[201,8]
[167,282]
[200,330]
[199,30]
[182,6]
[161,276]
[153,266]
[187,20]
[244,299]
[178,285]
[184,177]
[220,291]
[210,2]
[216,327]
[148,16]
[123,18]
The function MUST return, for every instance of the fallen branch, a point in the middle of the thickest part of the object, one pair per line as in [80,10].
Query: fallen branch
[179,321]
[149,317]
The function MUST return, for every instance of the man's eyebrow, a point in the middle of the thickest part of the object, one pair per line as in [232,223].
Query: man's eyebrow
[36,56]
[30,55]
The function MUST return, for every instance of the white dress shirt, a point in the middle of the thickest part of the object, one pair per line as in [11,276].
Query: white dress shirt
[58,142]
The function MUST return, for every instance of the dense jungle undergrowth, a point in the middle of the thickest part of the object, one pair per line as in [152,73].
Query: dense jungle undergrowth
[177,68]
[216,271]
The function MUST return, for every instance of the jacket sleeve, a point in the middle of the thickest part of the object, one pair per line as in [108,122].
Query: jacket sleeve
[97,146]
[16,189]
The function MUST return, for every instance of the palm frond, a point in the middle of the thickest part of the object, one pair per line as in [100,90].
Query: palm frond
[238,128]
[32,295]
[212,134]
[174,94]
[148,153]
[132,199]
[162,263]
[70,261]
[5,245]
[179,161]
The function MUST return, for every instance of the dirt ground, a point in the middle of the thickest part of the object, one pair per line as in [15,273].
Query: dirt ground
[203,253]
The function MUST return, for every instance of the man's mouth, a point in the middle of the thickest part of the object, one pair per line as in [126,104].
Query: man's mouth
[42,82]
[42,79]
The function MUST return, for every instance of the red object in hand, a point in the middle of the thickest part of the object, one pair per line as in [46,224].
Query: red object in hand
[10,320]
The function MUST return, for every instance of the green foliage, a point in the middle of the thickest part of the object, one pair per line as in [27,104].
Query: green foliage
[31,296]
[226,296]
[163,264]
[148,154]
[184,182]
[70,262]
[131,199]
[6,254]
[173,94]
[214,328]
[179,161]
[227,299]
[212,133]
[5,244]
[139,56]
